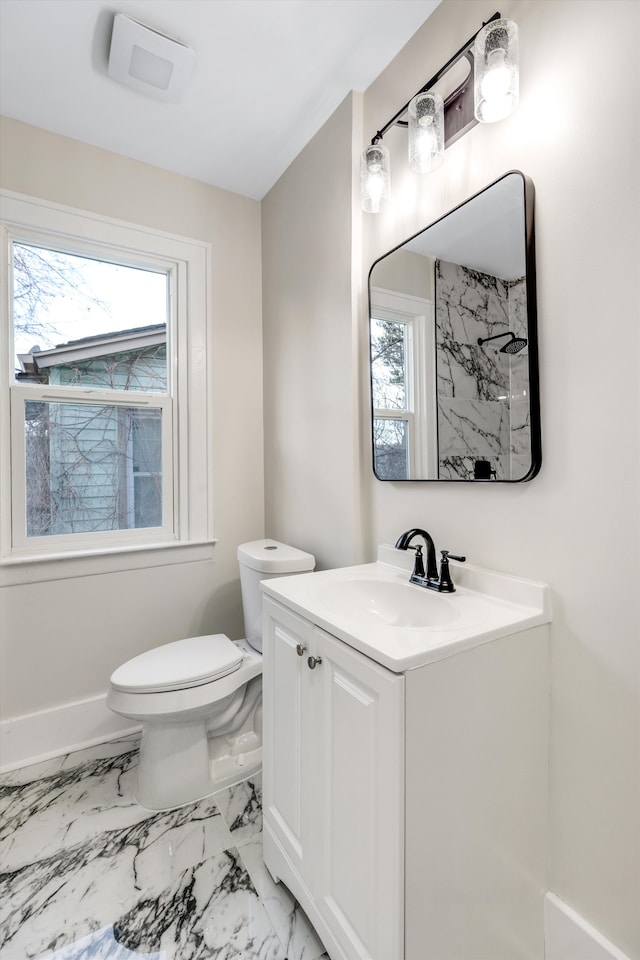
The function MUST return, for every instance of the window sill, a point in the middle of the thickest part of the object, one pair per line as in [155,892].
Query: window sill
[90,563]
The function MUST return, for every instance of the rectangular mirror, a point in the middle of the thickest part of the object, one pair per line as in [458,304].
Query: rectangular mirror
[453,345]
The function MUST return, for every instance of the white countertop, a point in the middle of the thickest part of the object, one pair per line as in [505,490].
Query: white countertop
[347,603]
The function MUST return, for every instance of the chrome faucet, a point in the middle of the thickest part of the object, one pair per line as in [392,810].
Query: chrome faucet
[431,579]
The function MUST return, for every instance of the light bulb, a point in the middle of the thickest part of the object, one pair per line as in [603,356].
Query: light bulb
[496,86]
[375,190]
[497,79]
[426,139]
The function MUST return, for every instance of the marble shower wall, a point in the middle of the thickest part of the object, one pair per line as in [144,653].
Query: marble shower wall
[483,395]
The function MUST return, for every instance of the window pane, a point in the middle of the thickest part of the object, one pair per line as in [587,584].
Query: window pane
[389,364]
[147,503]
[91,467]
[79,321]
[391,449]
[146,451]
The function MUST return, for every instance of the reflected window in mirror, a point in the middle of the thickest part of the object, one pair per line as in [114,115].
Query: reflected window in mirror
[390,352]
[404,421]
[454,348]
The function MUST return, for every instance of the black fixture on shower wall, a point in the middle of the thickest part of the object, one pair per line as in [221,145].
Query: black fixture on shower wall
[513,345]
[482,470]
[487,94]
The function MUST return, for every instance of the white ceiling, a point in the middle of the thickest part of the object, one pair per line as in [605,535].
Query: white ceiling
[487,233]
[268,74]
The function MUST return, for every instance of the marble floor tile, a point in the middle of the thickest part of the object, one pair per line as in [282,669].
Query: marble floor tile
[289,920]
[241,808]
[42,810]
[88,874]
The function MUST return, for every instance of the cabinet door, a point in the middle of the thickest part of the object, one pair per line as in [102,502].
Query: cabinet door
[287,797]
[359,772]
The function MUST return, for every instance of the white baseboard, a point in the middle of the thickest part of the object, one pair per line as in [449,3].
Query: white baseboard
[569,937]
[52,733]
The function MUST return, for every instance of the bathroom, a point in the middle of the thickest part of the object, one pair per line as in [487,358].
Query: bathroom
[291,270]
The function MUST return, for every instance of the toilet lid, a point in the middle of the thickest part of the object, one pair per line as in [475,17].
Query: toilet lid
[179,665]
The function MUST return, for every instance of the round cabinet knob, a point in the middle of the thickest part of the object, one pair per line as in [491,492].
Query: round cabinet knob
[313,662]
[299,649]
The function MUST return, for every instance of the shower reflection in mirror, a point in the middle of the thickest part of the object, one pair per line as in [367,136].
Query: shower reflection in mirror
[452,338]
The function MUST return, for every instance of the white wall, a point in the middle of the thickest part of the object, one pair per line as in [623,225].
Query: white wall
[62,639]
[576,134]
[311,436]
[406,272]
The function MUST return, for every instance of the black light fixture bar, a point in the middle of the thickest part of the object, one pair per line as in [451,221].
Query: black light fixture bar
[458,106]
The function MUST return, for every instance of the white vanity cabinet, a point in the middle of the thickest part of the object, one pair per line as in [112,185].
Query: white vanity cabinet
[406,775]
[333,786]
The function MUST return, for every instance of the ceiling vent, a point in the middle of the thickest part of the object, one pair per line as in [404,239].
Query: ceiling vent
[149,61]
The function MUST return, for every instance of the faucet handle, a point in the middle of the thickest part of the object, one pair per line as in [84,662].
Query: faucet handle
[446,556]
[446,583]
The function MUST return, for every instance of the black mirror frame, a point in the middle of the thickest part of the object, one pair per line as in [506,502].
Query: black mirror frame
[532,331]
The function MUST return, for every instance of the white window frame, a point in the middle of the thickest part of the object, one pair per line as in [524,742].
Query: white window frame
[417,314]
[187,414]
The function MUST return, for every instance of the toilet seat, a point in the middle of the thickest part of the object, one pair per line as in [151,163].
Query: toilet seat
[179,665]
[186,703]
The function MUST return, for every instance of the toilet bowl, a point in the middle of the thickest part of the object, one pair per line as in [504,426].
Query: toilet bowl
[199,700]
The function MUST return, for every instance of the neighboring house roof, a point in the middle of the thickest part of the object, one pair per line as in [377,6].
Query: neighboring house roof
[34,364]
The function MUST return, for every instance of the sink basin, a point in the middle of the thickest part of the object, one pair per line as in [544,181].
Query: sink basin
[394,604]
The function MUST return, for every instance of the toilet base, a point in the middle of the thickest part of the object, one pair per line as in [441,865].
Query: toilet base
[176,765]
[173,764]
[229,769]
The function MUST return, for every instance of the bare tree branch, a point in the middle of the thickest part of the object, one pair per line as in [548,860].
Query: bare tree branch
[39,277]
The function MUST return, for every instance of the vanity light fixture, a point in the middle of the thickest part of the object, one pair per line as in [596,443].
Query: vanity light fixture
[374,177]
[426,132]
[487,94]
[495,58]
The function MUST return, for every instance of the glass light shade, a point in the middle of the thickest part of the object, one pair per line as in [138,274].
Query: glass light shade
[426,132]
[375,179]
[495,83]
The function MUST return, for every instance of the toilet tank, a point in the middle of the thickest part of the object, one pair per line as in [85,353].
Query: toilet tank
[261,560]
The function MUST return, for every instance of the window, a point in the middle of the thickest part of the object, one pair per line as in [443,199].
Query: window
[401,341]
[105,385]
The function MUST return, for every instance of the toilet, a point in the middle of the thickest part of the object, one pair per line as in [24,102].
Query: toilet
[199,700]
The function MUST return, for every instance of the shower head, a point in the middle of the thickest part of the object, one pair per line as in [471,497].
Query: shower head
[513,345]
